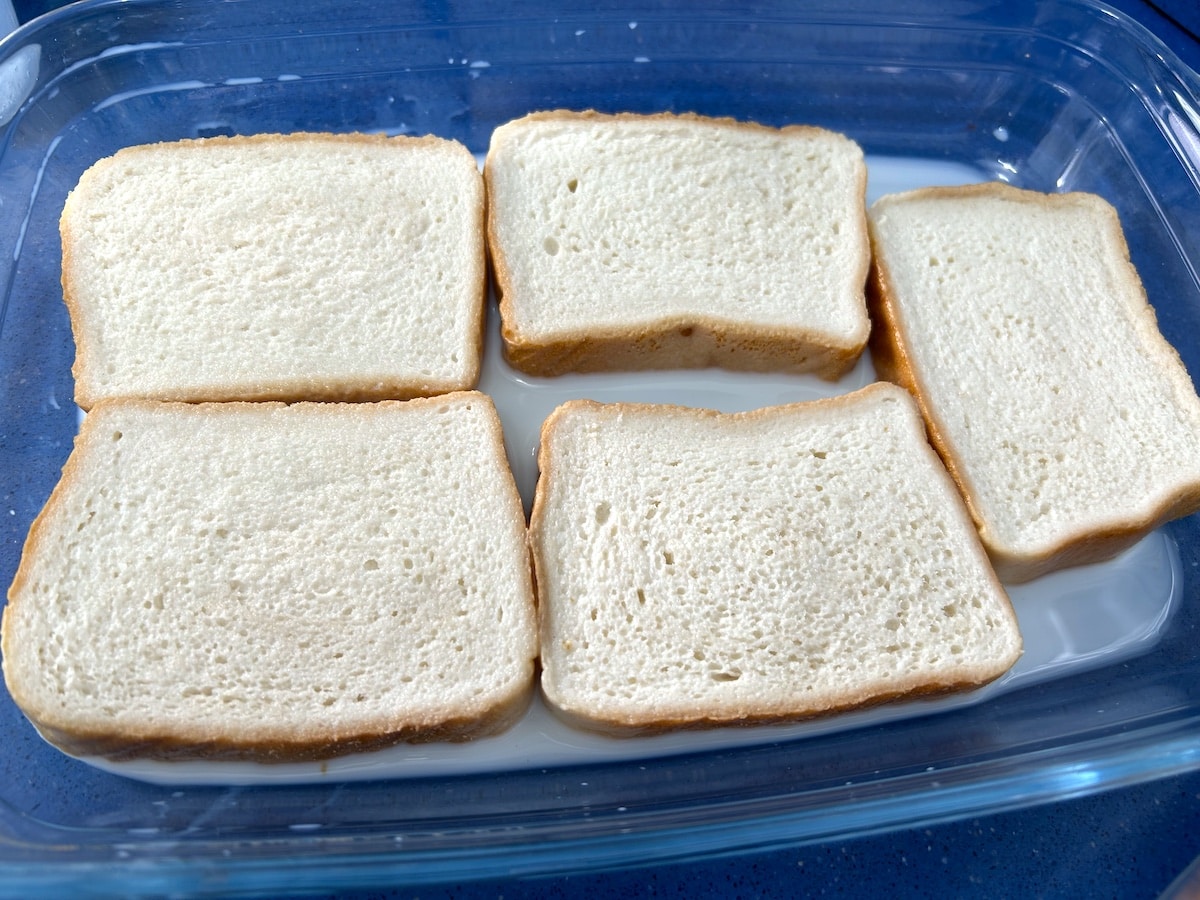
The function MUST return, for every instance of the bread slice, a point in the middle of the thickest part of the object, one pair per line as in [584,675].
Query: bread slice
[697,568]
[676,241]
[270,582]
[1019,323]
[277,267]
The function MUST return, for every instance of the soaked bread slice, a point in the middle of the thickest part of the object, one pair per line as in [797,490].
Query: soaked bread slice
[276,267]
[698,568]
[275,582]
[626,242]
[1022,328]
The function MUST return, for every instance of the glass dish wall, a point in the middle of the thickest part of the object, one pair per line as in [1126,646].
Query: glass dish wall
[1054,96]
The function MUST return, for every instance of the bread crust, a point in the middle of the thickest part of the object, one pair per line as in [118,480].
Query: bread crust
[677,341]
[778,711]
[89,389]
[892,353]
[267,742]
[286,746]
[701,719]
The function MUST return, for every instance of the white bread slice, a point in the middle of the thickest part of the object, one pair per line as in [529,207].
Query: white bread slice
[277,267]
[696,568]
[271,582]
[676,241]
[1019,323]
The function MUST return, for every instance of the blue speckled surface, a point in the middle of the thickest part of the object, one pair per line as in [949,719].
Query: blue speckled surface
[1128,843]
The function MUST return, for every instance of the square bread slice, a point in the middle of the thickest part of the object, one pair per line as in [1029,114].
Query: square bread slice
[1022,328]
[270,582]
[277,267]
[695,568]
[627,242]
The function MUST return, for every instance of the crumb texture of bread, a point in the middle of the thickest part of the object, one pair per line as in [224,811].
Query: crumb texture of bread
[1018,321]
[271,582]
[277,267]
[665,241]
[697,568]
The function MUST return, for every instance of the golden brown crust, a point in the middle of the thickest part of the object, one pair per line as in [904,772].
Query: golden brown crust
[892,355]
[680,343]
[674,342]
[623,727]
[492,714]
[291,389]
[285,748]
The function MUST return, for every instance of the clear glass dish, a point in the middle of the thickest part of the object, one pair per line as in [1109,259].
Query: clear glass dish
[1055,96]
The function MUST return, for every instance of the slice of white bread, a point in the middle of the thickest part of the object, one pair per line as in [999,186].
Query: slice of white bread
[696,568]
[277,267]
[1019,323]
[272,582]
[676,241]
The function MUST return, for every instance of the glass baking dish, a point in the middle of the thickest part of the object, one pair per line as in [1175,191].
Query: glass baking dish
[1054,96]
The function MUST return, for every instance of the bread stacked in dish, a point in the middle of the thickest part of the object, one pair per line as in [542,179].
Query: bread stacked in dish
[288,529]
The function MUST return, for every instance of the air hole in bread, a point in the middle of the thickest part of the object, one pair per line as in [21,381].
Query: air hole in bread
[550,245]
[603,510]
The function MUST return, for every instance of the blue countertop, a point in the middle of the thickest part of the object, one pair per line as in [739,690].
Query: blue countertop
[1128,843]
